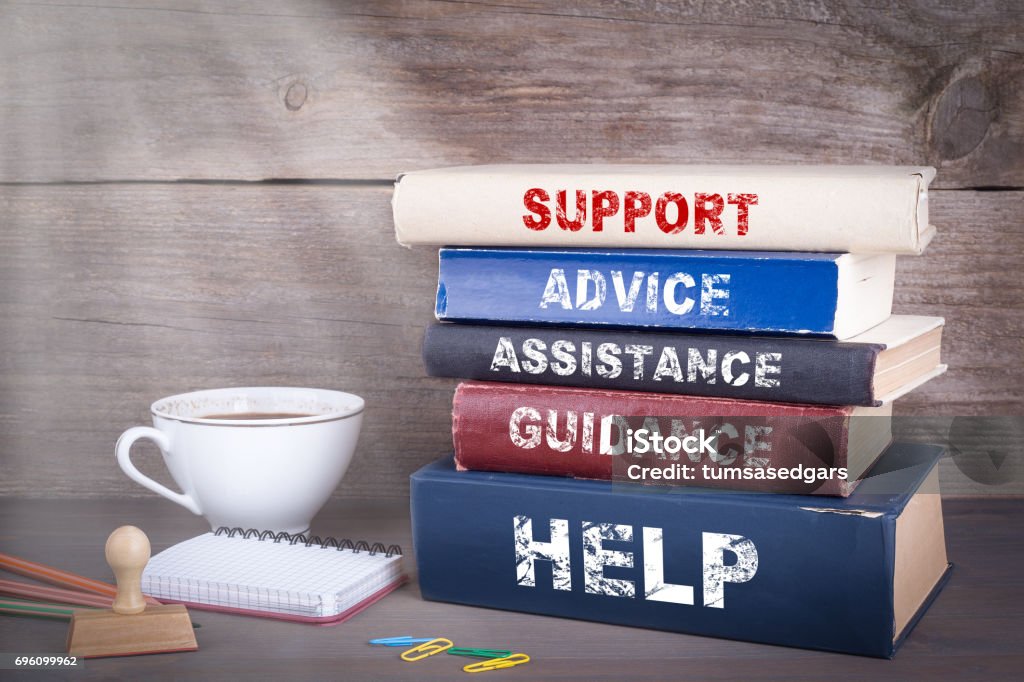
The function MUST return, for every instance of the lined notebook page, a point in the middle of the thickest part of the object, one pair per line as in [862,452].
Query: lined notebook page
[263,575]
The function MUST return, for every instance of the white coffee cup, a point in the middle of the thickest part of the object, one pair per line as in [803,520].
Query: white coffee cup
[264,458]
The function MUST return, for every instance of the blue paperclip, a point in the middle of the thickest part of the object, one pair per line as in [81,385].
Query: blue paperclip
[404,640]
[497,663]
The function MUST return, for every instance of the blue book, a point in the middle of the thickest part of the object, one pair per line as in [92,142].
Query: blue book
[826,294]
[852,575]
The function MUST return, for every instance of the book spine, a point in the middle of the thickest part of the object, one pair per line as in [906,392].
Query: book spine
[772,209]
[734,566]
[586,433]
[777,369]
[628,288]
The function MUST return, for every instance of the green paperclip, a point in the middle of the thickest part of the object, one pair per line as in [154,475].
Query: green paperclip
[481,653]
[497,663]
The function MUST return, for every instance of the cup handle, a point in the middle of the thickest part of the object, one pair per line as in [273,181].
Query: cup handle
[124,460]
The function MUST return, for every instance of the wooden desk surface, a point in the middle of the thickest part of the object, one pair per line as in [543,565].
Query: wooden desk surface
[971,632]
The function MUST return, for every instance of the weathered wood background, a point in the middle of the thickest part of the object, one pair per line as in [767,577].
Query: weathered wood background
[195,194]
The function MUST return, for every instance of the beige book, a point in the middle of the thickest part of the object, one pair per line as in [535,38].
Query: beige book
[855,209]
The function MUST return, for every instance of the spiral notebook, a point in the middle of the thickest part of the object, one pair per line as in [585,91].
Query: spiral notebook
[291,577]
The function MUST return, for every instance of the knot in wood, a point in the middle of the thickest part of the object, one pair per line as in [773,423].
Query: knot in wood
[295,97]
[963,113]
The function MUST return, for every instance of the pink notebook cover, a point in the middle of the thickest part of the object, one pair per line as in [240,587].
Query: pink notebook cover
[325,620]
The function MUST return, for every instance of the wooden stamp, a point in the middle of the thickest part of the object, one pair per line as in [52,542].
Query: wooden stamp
[132,627]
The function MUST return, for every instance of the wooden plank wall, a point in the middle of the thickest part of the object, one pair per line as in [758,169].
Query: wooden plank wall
[195,194]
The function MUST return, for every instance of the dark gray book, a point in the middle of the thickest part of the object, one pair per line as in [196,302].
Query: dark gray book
[870,369]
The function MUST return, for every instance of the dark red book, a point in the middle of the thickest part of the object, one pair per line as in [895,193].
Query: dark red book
[662,439]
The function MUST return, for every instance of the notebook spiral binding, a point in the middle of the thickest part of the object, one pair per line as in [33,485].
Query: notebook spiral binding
[310,540]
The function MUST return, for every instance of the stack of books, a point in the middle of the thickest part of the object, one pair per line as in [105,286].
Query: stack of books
[680,398]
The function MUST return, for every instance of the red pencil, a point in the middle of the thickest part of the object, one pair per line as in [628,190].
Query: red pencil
[48,574]
[14,588]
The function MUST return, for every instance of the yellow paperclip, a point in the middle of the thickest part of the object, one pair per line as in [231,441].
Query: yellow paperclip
[434,646]
[497,663]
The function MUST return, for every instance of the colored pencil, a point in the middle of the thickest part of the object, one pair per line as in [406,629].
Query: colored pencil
[13,588]
[15,607]
[48,574]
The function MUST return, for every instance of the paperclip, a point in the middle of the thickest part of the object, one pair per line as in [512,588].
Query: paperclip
[434,646]
[497,663]
[404,640]
[481,653]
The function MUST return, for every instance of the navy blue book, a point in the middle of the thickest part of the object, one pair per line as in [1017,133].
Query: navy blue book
[826,294]
[852,575]
[872,368]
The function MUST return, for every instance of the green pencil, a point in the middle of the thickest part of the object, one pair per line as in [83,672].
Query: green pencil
[35,609]
[15,607]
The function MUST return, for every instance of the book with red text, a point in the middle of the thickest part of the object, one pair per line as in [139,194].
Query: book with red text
[662,439]
[855,209]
